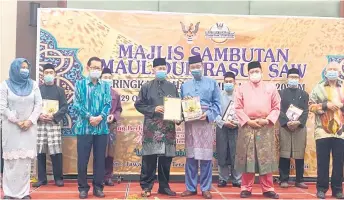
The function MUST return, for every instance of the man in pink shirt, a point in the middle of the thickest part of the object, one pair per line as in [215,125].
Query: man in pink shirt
[257,106]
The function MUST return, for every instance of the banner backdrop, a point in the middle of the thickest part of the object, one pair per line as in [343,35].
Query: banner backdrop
[127,42]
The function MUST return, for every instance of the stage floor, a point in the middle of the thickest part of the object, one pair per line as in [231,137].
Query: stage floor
[131,190]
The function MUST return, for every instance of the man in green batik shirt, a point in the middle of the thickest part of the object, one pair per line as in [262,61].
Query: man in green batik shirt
[92,102]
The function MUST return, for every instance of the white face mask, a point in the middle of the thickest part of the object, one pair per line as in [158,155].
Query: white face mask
[95,74]
[256,77]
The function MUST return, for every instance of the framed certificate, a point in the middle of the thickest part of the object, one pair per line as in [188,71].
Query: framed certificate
[172,109]
[229,113]
[192,109]
[50,107]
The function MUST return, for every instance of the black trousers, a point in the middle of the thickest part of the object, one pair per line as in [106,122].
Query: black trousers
[148,171]
[56,160]
[324,147]
[284,169]
[84,146]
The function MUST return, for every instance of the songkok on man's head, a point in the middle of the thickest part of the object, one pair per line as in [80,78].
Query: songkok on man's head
[195,59]
[229,75]
[254,64]
[106,71]
[293,71]
[159,62]
[48,66]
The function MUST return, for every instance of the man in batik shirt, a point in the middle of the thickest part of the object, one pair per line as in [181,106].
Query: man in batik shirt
[327,104]
[199,137]
[226,135]
[257,106]
[159,136]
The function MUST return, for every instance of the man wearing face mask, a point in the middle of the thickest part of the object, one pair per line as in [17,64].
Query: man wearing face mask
[199,134]
[257,106]
[159,136]
[92,103]
[327,104]
[293,132]
[112,119]
[49,128]
[226,135]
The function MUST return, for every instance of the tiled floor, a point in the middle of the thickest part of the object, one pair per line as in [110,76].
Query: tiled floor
[132,190]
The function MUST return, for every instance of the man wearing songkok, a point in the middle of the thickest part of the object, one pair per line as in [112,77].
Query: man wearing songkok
[226,135]
[112,119]
[257,106]
[327,103]
[199,134]
[293,131]
[92,103]
[159,136]
[49,127]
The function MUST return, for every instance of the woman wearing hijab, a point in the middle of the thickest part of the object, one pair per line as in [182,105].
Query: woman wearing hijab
[20,106]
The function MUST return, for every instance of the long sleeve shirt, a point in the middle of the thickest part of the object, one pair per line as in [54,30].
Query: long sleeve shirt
[54,92]
[91,100]
[298,98]
[254,101]
[209,93]
[327,123]
[116,106]
[226,99]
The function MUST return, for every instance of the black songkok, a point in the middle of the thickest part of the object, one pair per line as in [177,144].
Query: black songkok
[293,71]
[229,74]
[159,62]
[195,59]
[48,66]
[106,71]
[254,64]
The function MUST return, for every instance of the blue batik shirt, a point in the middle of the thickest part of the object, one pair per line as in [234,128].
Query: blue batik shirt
[91,100]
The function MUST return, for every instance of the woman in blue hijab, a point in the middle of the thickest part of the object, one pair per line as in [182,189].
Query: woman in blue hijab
[20,106]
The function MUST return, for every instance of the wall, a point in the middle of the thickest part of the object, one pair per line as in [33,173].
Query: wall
[8,36]
[328,8]
[27,35]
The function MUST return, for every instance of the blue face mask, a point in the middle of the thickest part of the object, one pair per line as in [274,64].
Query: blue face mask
[228,87]
[161,75]
[293,82]
[332,75]
[49,78]
[24,73]
[196,73]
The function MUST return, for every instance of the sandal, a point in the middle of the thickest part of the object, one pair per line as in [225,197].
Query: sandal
[146,193]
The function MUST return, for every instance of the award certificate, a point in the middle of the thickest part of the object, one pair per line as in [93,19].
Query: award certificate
[192,109]
[172,109]
[50,107]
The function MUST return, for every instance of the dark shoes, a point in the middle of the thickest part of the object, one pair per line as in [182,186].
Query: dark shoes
[222,184]
[98,193]
[109,182]
[83,195]
[339,195]
[39,183]
[301,185]
[245,194]
[238,185]
[167,191]
[321,195]
[59,183]
[8,197]
[284,185]
[188,193]
[27,197]
[271,195]
[207,195]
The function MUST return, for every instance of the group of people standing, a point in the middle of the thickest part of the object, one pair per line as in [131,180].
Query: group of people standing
[29,131]
[245,143]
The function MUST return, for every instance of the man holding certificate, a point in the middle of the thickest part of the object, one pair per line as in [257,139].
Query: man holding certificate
[159,135]
[227,134]
[327,104]
[293,131]
[49,128]
[199,137]
[257,106]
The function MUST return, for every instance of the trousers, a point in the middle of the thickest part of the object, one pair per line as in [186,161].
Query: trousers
[56,160]
[284,169]
[266,182]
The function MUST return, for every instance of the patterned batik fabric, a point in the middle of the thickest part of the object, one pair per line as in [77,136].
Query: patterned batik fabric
[199,140]
[159,137]
[49,138]
[255,152]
